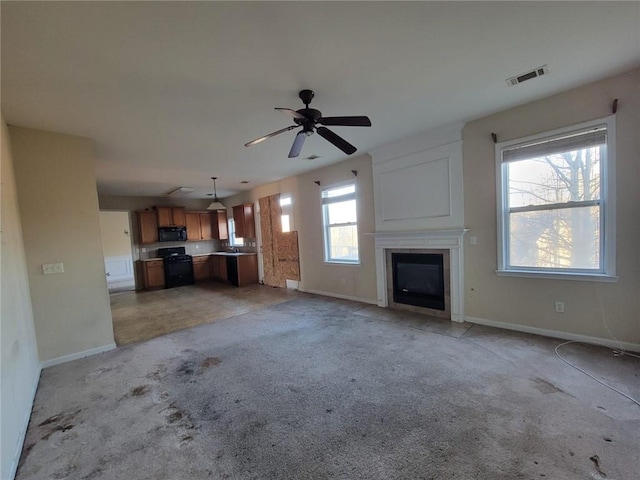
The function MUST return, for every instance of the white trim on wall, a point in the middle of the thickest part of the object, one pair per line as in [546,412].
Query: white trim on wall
[606,342]
[77,355]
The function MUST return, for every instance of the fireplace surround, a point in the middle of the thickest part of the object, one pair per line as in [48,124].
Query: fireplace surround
[448,241]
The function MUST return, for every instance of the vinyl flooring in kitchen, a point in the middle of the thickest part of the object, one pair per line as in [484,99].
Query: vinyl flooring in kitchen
[139,316]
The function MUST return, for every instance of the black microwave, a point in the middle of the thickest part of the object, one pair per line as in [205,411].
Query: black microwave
[172,234]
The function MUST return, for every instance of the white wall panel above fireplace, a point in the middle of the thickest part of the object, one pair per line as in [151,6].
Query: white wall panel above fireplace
[418,182]
[416,191]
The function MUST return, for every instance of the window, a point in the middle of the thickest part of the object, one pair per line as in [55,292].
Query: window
[233,241]
[556,202]
[286,217]
[340,220]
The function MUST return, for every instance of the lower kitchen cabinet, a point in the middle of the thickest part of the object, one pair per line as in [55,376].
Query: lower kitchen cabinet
[202,268]
[242,269]
[153,273]
[219,267]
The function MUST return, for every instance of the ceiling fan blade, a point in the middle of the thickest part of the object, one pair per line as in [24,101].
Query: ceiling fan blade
[291,112]
[346,121]
[262,139]
[337,140]
[296,148]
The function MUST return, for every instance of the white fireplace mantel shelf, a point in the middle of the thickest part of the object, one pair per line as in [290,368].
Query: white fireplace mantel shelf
[450,239]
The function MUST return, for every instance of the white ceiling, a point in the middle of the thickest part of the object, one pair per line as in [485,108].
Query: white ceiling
[170,92]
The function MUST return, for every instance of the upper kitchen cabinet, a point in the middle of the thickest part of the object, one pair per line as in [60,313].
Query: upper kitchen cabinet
[148,226]
[219,225]
[199,225]
[171,217]
[244,221]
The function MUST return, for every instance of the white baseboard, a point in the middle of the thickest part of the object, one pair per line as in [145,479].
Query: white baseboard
[77,355]
[606,342]
[16,456]
[339,295]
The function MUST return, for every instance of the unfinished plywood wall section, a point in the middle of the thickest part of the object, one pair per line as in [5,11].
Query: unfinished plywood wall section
[281,257]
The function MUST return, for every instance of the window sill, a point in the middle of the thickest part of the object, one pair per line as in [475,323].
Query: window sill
[582,277]
[335,262]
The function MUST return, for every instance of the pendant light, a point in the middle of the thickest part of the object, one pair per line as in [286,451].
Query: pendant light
[215,205]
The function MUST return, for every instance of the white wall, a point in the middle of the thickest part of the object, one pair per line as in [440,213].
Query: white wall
[418,182]
[601,310]
[20,369]
[60,221]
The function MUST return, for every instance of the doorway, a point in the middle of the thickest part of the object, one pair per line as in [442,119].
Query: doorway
[116,245]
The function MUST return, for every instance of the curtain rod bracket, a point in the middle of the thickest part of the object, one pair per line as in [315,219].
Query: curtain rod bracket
[317,182]
[614,107]
[495,137]
[355,173]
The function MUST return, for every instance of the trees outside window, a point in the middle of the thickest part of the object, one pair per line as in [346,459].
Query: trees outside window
[556,206]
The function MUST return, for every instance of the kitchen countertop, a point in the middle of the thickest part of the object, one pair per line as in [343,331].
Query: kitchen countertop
[224,254]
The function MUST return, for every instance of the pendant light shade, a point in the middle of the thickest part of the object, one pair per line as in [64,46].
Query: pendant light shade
[215,205]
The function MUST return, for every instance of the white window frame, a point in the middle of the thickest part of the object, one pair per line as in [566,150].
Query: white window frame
[607,272]
[326,226]
[233,240]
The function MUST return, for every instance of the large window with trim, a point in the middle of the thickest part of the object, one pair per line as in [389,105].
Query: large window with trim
[340,219]
[556,204]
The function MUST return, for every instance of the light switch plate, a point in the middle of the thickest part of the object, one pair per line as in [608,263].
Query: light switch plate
[49,268]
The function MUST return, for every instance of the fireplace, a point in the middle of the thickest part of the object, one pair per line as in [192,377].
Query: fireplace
[442,242]
[418,279]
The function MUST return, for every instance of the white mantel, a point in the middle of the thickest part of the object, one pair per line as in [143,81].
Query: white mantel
[450,239]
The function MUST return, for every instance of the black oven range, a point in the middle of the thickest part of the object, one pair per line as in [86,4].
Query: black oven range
[178,267]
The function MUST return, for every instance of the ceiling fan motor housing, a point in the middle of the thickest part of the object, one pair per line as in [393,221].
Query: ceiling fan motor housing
[311,117]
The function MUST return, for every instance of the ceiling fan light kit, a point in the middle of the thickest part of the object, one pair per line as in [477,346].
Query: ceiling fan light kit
[309,119]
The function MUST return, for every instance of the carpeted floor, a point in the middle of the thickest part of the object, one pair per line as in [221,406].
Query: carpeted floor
[317,388]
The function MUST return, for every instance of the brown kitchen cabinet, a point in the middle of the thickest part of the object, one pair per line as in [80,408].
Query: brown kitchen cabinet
[219,225]
[247,269]
[171,216]
[153,273]
[148,226]
[219,267]
[202,268]
[199,225]
[244,221]
[238,270]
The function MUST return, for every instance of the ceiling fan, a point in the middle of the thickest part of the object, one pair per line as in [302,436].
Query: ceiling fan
[309,119]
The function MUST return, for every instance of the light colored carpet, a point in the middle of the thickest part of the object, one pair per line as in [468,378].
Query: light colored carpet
[315,388]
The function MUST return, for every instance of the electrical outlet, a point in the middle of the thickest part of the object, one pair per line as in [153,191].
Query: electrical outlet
[197,247]
[560,307]
[473,240]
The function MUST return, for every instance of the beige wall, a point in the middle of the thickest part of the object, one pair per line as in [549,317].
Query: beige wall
[133,204]
[591,307]
[59,212]
[342,280]
[116,234]
[20,366]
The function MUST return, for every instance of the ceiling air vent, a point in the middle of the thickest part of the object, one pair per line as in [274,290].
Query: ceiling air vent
[536,72]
